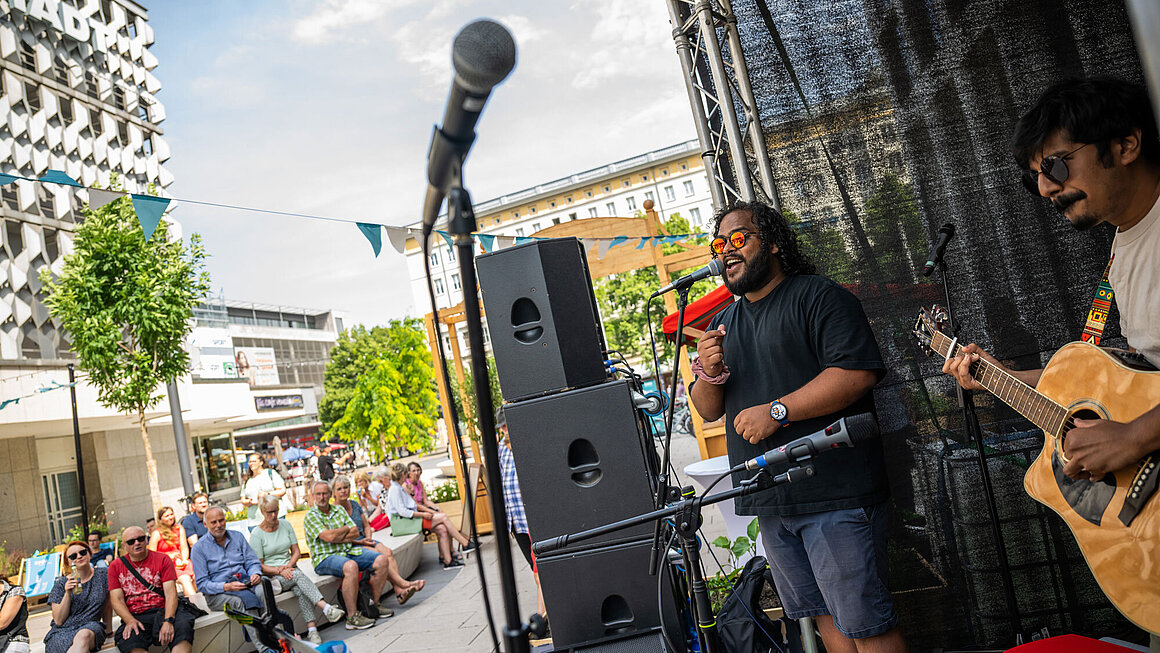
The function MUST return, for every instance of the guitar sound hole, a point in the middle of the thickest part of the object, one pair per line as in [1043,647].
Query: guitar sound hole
[1083,413]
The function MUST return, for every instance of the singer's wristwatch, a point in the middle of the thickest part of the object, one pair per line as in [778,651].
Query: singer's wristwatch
[779,412]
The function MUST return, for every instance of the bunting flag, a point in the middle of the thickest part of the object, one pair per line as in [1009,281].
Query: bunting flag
[149,210]
[374,233]
[99,197]
[58,177]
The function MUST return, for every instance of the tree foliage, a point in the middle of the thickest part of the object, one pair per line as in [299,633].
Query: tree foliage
[467,417]
[393,402]
[356,353]
[127,307]
[622,298]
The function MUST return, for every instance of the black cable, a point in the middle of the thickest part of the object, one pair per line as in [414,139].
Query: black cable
[468,501]
[715,482]
[661,594]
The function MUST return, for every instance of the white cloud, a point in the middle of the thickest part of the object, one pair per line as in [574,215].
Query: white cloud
[334,20]
[627,40]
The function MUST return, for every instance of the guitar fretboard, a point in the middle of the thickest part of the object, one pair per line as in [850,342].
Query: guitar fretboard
[1042,411]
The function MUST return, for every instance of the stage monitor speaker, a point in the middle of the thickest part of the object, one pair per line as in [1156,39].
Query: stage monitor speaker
[542,317]
[607,593]
[581,459]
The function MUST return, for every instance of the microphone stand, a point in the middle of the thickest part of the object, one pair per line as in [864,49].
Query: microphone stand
[975,432]
[663,475]
[688,520]
[462,224]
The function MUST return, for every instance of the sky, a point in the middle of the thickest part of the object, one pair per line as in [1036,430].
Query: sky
[326,107]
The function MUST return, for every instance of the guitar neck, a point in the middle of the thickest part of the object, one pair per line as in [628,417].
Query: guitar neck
[1040,409]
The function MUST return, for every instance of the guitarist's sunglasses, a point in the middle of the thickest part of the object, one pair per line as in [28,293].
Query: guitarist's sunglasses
[1054,167]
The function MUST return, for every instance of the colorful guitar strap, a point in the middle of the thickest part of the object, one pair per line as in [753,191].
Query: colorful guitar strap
[1097,317]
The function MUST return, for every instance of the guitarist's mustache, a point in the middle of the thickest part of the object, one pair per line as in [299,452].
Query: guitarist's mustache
[1063,201]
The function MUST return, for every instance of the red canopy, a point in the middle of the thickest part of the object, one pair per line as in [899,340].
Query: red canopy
[698,314]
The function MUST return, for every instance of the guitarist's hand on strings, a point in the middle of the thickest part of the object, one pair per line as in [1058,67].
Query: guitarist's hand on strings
[960,366]
[1098,446]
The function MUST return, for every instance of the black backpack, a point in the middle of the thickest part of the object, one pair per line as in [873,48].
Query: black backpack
[741,625]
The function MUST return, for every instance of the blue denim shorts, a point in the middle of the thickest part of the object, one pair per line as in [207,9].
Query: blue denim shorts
[833,563]
[332,564]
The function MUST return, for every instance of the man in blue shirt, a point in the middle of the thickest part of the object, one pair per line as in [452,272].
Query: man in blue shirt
[225,569]
[194,523]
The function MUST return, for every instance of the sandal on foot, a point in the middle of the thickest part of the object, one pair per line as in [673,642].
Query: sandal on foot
[406,595]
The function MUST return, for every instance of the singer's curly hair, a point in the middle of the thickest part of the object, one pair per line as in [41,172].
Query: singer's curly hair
[774,229]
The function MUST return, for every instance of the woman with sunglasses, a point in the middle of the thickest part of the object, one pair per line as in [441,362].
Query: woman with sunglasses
[169,538]
[276,545]
[81,614]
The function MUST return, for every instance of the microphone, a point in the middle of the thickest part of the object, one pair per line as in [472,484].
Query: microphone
[714,269]
[845,432]
[945,233]
[482,54]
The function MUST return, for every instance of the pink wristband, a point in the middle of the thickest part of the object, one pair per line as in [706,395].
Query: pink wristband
[715,380]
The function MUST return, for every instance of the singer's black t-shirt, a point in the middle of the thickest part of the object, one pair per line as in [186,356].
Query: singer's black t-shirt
[775,346]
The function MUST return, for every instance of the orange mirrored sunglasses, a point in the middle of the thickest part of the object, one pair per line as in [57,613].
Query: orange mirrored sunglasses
[736,239]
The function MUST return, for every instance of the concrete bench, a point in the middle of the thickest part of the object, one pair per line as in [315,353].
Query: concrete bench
[217,633]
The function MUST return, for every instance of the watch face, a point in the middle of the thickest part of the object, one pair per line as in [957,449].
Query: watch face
[777,411]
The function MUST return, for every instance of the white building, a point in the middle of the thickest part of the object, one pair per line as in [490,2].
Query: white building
[673,178]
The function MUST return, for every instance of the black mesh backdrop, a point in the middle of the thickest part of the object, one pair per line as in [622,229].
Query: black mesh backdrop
[914,102]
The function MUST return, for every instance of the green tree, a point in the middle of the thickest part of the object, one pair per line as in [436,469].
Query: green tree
[468,417]
[357,351]
[895,229]
[127,307]
[393,402]
[622,297]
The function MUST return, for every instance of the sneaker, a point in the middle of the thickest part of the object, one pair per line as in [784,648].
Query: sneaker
[453,564]
[358,622]
[313,637]
[385,612]
[333,613]
[471,546]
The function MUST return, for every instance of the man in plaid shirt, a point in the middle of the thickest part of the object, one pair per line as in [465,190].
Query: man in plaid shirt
[513,501]
[337,549]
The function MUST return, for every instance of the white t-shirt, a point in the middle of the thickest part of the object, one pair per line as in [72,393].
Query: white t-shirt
[1135,279]
[376,489]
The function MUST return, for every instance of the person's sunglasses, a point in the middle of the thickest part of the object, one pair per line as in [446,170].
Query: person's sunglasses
[136,540]
[736,239]
[77,555]
[1054,167]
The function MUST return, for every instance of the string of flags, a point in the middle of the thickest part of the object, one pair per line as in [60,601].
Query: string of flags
[149,210]
[55,385]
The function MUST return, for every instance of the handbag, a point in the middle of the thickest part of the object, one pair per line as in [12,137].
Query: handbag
[741,624]
[183,603]
[405,525]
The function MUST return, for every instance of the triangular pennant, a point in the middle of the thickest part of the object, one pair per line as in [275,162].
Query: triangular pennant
[7,179]
[447,239]
[503,242]
[644,240]
[58,177]
[520,240]
[618,241]
[374,233]
[604,245]
[486,242]
[99,197]
[398,237]
[149,210]
[588,243]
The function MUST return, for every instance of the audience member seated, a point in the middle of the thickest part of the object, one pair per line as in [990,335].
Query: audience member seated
[401,504]
[379,482]
[263,481]
[193,523]
[336,549]
[276,545]
[13,615]
[362,484]
[226,570]
[99,557]
[341,488]
[169,538]
[147,606]
[80,603]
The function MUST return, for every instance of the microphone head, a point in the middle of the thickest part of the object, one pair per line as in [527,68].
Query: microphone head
[860,428]
[716,267]
[948,229]
[483,54]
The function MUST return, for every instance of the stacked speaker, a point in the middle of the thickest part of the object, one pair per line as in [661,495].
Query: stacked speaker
[581,447]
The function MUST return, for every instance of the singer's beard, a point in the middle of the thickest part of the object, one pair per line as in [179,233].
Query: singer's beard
[1081,221]
[755,274]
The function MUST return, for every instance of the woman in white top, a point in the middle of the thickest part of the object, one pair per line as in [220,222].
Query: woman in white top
[263,482]
[397,502]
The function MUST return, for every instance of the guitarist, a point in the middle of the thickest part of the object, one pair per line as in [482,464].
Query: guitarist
[1090,146]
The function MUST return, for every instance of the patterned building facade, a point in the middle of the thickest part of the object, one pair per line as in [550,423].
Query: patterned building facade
[77,95]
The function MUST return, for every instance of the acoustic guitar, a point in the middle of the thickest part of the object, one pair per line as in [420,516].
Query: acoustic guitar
[1115,520]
